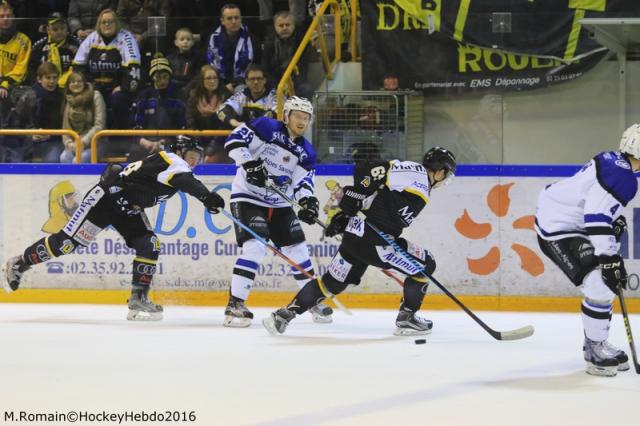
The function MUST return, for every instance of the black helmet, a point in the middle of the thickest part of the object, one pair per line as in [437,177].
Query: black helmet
[439,158]
[184,143]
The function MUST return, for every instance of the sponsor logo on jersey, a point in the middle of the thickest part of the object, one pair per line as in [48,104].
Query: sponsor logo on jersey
[623,164]
[407,215]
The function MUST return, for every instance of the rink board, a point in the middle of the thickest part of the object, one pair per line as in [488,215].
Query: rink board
[479,228]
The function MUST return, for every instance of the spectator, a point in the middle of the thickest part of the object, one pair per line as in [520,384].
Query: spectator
[205,99]
[41,108]
[230,49]
[58,47]
[15,48]
[109,57]
[185,59]
[82,15]
[157,107]
[256,100]
[278,50]
[84,112]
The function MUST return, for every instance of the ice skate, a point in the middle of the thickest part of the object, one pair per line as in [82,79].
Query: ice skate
[618,354]
[276,323]
[141,308]
[13,270]
[321,314]
[408,324]
[600,361]
[236,314]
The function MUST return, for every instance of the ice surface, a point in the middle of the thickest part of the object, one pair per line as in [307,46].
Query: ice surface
[354,371]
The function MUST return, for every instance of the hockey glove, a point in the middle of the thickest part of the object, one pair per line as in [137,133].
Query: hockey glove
[338,224]
[212,202]
[619,225]
[351,201]
[309,212]
[613,272]
[256,173]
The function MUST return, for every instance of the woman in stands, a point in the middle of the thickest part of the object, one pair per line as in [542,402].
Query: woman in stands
[110,59]
[205,99]
[84,112]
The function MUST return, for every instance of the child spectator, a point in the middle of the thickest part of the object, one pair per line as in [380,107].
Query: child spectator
[84,112]
[157,107]
[41,108]
[185,59]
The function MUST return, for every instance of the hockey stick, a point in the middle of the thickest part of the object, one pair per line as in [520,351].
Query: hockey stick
[323,225]
[627,326]
[277,252]
[516,334]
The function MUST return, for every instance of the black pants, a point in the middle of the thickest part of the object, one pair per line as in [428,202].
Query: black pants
[573,255]
[279,225]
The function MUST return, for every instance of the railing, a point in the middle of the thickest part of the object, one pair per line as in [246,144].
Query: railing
[103,133]
[286,82]
[48,132]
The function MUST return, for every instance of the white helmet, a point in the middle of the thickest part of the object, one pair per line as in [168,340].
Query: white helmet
[630,141]
[296,103]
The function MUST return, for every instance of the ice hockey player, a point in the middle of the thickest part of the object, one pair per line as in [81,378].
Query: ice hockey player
[391,195]
[119,200]
[579,223]
[269,150]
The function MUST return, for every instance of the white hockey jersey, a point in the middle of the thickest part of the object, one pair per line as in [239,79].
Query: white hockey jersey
[588,202]
[290,163]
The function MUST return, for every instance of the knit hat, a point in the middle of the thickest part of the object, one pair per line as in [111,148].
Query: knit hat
[160,63]
[56,17]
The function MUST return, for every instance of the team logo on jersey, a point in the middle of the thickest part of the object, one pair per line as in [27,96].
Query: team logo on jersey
[623,164]
[103,56]
[286,158]
[366,181]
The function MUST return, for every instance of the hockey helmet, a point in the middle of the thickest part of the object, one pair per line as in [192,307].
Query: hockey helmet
[630,141]
[438,158]
[296,103]
[184,143]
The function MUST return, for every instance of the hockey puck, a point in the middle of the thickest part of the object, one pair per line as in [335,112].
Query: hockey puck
[420,341]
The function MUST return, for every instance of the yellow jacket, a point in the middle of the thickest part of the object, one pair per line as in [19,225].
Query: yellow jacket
[14,58]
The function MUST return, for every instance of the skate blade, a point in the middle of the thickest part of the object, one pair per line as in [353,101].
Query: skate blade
[595,370]
[235,322]
[134,315]
[624,366]
[410,332]
[321,319]
[270,325]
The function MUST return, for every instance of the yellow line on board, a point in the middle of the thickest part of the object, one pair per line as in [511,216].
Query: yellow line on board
[277,299]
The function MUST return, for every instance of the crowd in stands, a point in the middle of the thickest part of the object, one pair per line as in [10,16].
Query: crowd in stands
[90,65]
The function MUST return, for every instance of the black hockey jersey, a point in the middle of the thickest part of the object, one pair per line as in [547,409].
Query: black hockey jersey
[148,182]
[397,190]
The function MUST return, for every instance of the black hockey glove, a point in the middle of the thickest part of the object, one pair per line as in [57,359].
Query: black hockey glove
[338,224]
[309,212]
[256,173]
[351,201]
[613,272]
[619,225]
[212,202]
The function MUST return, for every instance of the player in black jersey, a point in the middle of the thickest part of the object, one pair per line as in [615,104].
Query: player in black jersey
[119,200]
[391,195]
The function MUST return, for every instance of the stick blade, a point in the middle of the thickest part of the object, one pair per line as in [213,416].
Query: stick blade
[517,334]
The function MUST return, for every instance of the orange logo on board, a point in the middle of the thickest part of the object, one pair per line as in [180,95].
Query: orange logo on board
[498,202]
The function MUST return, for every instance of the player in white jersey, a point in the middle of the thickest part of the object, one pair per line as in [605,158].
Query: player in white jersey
[391,195]
[276,151]
[579,223]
